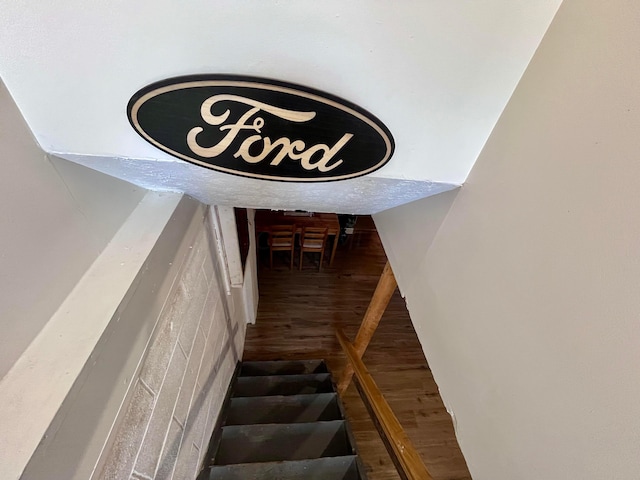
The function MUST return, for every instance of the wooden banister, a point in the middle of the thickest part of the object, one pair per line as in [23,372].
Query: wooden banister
[381,297]
[402,451]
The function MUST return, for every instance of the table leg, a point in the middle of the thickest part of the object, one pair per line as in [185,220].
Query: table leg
[333,250]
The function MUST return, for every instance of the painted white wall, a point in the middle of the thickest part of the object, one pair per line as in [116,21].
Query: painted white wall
[148,374]
[164,427]
[55,219]
[437,73]
[55,363]
[104,202]
[523,286]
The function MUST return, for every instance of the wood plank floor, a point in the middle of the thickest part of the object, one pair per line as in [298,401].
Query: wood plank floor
[297,315]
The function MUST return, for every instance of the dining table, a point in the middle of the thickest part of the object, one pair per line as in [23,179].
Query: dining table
[266,218]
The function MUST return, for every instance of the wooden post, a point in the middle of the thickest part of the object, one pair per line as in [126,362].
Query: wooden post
[381,297]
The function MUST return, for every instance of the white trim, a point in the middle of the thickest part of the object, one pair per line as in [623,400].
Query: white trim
[220,248]
[35,387]
[229,231]
[250,286]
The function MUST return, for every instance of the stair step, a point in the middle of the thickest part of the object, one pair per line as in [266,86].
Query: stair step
[329,468]
[282,367]
[274,443]
[283,385]
[283,409]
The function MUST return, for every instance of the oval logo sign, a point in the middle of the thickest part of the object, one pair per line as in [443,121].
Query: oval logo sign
[260,128]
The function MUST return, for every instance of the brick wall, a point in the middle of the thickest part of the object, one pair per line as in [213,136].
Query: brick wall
[145,402]
[164,429]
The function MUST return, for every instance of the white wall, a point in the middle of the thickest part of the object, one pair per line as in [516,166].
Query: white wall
[62,380]
[165,429]
[55,218]
[437,73]
[523,286]
[145,404]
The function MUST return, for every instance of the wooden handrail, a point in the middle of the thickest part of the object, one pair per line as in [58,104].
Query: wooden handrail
[402,451]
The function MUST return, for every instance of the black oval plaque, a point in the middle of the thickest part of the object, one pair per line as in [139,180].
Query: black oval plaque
[260,128]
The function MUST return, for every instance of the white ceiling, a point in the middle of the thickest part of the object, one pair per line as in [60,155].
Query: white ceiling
[438,73]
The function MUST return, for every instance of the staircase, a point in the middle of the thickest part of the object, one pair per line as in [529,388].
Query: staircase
[282,420]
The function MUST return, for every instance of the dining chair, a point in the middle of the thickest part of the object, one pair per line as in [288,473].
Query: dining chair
[314,240]
[282,239]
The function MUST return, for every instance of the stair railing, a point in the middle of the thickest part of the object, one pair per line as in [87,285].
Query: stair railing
[402,452]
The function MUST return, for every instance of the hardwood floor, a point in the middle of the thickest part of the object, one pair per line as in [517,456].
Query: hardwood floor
[297,315]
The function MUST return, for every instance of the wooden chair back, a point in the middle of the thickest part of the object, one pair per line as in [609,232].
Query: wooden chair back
[313,239]
[282,238]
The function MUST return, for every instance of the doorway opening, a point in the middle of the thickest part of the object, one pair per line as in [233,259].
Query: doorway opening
[298,314]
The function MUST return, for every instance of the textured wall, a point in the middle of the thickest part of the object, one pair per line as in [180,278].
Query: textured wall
[164,430]
[523,286]
[363,195]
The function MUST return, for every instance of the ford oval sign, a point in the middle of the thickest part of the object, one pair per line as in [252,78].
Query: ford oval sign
[260,128]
